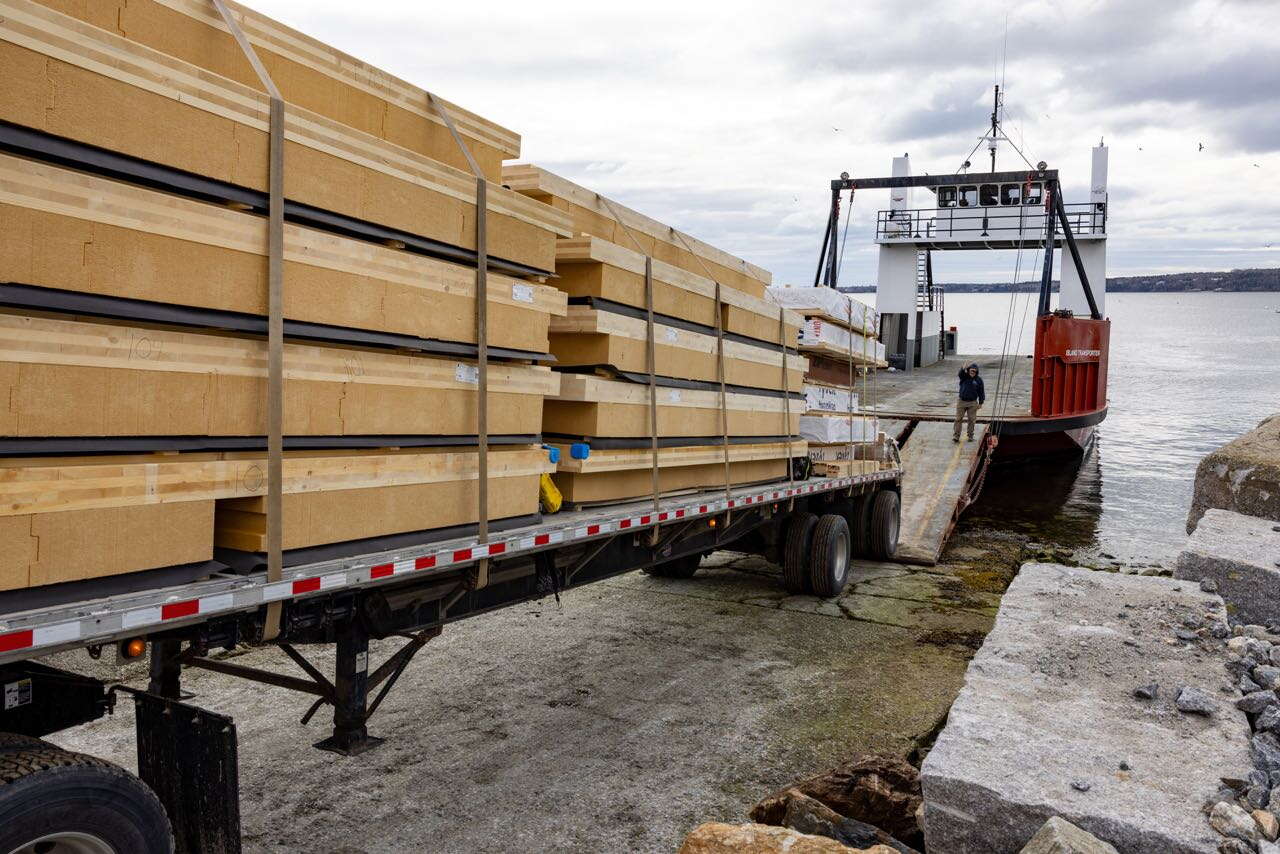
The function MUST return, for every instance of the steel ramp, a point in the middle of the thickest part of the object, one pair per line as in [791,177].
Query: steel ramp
[936,478]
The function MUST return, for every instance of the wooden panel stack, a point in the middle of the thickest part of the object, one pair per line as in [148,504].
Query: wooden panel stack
[601,345]
[133,295]
[839,338]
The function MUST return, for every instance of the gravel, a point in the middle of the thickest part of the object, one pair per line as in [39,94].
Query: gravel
[1194,701]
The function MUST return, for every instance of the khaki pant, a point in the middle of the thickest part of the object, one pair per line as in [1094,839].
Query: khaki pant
[963,408]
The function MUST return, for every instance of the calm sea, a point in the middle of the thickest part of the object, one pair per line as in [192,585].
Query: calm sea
[1188,372]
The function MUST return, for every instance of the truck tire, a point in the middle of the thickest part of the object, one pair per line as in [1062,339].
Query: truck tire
[859,519]
[886,507]
[54,801]
[11,741]
[795,552]
[681,567]
[829,556]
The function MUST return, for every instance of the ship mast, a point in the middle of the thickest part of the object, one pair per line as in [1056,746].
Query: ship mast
[995,126]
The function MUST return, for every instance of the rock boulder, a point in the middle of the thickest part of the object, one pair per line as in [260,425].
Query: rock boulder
[1059,836]
[1243,476]
[716,838]
[883,791]
[1240,554]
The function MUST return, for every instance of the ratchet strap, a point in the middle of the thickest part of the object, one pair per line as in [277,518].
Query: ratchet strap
[786,394]
[651,361]
[481,576]
[724,409]
[275,322]
[849,395]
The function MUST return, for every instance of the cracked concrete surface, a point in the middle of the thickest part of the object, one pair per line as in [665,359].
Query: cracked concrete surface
[618,720]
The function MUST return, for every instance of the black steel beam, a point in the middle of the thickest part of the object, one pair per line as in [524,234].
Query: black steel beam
[943,180]
[1046,275]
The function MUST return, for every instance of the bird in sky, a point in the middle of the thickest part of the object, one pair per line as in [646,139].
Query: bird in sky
[1201,147]
[1256,166]
[836,129]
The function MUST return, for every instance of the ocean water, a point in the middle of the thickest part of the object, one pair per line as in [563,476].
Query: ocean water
[1188,373]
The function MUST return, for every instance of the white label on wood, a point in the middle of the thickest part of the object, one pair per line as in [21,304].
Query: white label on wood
[675,395]
[464,373]
[522,293]
[672,335]
[17,694]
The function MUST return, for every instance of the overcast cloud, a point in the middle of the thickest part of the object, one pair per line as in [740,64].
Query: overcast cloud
[727,119]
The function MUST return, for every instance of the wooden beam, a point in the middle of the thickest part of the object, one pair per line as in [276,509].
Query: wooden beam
[214,126]
[626,459]
[65,377]
[71,230]
[310,73]
[60,484]
[591,216]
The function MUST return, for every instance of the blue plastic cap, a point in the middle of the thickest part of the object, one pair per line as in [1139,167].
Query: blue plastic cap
[579,450]
[553,453]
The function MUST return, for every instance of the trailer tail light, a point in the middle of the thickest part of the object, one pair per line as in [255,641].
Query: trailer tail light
[133,648]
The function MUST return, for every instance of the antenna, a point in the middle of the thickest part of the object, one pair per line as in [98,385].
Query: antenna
[995,126]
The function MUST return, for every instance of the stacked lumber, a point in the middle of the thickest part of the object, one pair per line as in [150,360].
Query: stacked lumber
[839,338]
[601,346]
[134,295]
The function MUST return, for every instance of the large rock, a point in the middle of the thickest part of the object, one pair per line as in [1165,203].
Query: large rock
[1062,837]
[814,817]
[1239,553]
[879,790]
[1243,476]
[1047,723]
[716,838]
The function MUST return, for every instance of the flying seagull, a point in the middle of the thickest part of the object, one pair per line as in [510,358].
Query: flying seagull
[1201,147]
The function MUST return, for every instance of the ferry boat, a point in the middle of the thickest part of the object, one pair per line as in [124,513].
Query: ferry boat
[1054,404]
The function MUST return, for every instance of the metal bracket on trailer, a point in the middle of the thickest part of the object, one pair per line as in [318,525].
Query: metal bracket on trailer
[47,630]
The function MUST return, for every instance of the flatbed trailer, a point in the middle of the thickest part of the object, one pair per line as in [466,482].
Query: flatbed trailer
[186,795]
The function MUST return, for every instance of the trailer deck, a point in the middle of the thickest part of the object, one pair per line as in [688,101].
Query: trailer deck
[47,630]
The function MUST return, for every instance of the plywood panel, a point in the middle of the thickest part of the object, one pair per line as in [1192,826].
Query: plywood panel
[69,230]
[66,377]
[313,519]
[48,548]
[309,73]
[587,336]
[595,406]
[75,80]
[592,216]
[62,484]
[613,486]
[591,266]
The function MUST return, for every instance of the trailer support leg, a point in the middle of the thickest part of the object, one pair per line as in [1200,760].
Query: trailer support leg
[351,694]
[166,669]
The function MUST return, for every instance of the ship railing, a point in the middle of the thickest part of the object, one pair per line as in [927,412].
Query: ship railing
[1023,222]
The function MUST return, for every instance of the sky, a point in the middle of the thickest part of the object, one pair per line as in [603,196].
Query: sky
[728,119]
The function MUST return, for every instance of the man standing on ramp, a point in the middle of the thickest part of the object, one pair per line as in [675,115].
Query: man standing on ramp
[972,395]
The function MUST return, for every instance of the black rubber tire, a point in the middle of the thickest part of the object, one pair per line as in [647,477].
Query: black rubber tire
[859,518]
[681,567]
[829,556]
[11,741]
[885,517]
[48,790]
[795,552]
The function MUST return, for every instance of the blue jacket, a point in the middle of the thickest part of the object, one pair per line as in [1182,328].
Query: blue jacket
[971,388]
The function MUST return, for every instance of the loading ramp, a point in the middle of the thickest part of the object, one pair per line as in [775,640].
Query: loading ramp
[940,479]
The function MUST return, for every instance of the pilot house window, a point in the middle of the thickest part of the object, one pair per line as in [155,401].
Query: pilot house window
[968,196]
[1034,195]
[1010,194]
[989,195]
[946,197]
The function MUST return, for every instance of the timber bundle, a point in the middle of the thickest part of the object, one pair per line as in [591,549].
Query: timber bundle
[242,270]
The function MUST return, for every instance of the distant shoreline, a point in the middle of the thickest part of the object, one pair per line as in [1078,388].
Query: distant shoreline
[1258,280]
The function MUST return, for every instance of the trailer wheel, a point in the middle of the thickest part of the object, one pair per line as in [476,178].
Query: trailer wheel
[795,553]
[681,567]
[11,741]
[885,517]
[859,517]
[829,557]
[53,801]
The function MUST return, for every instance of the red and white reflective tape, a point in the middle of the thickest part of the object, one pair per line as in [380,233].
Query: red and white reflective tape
[138,614]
